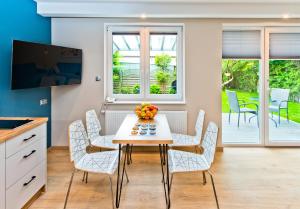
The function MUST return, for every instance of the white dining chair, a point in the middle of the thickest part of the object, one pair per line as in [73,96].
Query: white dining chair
[96,139]
[181,161]
[182,140]
[93,127]
[99,162]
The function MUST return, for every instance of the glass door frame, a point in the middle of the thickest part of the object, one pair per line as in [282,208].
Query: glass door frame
[268,30]
[261,86]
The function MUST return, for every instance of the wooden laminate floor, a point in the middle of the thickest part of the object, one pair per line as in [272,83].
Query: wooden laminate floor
[246,178]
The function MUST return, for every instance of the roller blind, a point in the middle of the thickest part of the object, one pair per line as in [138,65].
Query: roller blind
[241,44]
[284,45]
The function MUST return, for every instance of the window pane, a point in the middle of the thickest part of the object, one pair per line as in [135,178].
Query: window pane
[240,101]
[163,61]
[126,63]
[284,77]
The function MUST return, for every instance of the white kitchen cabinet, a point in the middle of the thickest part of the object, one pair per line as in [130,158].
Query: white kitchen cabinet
[2,176]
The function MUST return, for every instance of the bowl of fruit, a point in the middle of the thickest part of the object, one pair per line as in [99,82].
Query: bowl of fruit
[146,111]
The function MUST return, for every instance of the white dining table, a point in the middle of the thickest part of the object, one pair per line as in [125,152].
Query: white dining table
[126,138]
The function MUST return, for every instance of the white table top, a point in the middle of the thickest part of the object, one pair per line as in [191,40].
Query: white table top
[162,136]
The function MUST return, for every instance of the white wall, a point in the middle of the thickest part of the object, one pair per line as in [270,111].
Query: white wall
[203,45]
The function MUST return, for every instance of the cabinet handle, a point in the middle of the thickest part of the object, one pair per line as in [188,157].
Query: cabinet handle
[26,183]
[26,156]
[26,139]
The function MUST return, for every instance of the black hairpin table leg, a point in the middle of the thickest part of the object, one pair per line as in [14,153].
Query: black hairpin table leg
[168,176]
[163,160]
[120,184]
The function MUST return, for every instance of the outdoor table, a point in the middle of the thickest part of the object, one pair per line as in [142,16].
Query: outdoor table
[162,138]
[257,99]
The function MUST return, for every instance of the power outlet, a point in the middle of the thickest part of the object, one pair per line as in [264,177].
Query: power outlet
[43,102]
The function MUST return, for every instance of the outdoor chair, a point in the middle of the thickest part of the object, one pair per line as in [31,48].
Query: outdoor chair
[236,106]
[279,101]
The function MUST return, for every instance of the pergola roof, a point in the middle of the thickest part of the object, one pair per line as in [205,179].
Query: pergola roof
[159,42]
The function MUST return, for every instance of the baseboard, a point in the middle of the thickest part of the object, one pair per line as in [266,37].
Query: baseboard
[58,148]
[136,148]
[35,197]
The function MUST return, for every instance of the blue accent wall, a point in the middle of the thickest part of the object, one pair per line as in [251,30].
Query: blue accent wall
[19,20]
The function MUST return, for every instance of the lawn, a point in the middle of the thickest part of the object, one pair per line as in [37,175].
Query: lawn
[294,108]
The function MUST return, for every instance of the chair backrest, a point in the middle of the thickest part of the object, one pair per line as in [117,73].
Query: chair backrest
[93,125]
[279,95]
[78,140]
[199,125]
[233,101]
[210,142]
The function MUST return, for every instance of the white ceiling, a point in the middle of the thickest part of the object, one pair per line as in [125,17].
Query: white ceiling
[170,8]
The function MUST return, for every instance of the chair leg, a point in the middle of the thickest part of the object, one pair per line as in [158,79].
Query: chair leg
[279,117]
[171,182]
[131,148]
[204,178]
[129,158]
[126,176]
[239,115]
[244,117]
[83,178]
[86,177]
[229,116]
[214,188]
[287,114]
[69,189]
[112,192]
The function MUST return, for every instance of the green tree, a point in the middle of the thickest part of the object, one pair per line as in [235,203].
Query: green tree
[162,62]
[240,74]
[117,72]
[285,74]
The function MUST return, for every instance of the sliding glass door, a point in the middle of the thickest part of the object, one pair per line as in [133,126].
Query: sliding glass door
[261,86]
[241,87]
[282,99]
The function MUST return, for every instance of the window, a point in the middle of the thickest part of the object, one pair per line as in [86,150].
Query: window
[145,63]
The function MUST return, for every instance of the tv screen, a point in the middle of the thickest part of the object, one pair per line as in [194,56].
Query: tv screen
[40,65]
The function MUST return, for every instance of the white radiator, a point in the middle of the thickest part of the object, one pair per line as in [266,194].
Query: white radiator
[177,120]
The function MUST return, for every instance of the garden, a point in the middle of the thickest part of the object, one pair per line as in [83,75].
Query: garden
[242,76]
[126,76]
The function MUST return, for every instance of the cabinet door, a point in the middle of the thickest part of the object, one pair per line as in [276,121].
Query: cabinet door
[2,176]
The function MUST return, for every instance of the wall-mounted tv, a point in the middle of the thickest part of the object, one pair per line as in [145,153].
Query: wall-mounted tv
[40,65]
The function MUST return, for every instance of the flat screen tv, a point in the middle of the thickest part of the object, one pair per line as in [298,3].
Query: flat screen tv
[40,65]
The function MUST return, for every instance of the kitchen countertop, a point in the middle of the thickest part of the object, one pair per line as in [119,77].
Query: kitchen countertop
[6,134]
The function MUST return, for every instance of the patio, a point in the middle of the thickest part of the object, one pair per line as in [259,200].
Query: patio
[248,133]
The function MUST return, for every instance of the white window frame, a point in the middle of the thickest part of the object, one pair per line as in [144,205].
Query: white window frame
[145,30]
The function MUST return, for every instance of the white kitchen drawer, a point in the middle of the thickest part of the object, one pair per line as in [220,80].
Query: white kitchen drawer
[23,161]
[19,194]
[25,139]
[2,175]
